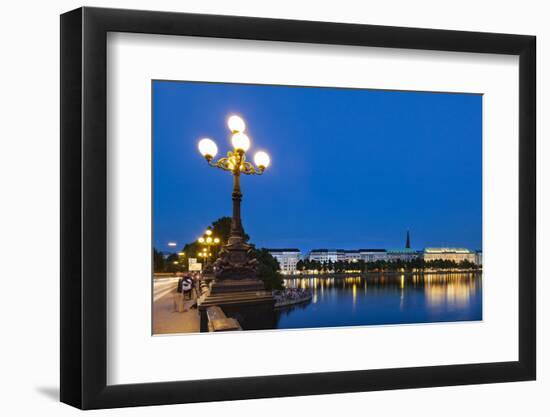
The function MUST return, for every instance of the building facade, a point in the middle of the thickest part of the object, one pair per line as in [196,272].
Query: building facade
[449,254]
[479,258]
[392,255]
[326,255]
[405,254]
[373,255]
[352,255]
[345,255]
[287,258]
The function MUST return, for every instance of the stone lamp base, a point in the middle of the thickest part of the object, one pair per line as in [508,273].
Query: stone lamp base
[253,309]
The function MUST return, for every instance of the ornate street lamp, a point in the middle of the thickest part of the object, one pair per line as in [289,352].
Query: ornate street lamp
[235,259]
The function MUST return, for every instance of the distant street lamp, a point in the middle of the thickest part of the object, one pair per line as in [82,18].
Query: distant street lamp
[205,253]
[235,261]
[208,240]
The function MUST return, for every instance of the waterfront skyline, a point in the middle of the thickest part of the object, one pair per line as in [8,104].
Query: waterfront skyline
[307,251]
[407,245]
[351,168]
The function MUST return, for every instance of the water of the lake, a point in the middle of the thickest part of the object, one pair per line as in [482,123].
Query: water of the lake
[384,299]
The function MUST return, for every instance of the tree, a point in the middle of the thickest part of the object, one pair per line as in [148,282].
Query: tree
[221,228]
[158,261]
[268,270]
[191,250]
[173,263]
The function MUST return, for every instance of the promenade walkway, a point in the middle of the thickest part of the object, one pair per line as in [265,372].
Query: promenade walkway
[166,320]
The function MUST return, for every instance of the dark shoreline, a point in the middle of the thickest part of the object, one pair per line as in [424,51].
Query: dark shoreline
[382,274]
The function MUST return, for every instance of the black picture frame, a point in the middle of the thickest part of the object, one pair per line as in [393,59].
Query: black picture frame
[84,207]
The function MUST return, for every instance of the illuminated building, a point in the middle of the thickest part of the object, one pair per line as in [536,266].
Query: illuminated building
[351,256]
[326,255]
[373,255]
[479,258]
[405,254]
[287,258]
[449,254]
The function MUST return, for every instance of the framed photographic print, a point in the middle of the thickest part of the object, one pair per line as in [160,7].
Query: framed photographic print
[293,207]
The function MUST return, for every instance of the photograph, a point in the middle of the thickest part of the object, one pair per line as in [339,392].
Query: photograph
[327,207]
[275,209]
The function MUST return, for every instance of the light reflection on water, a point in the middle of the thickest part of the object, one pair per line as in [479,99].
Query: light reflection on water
[385,299]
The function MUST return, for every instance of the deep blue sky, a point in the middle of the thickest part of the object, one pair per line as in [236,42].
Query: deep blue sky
[351,168]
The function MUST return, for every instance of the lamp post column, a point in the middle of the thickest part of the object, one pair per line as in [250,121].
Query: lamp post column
[237,231]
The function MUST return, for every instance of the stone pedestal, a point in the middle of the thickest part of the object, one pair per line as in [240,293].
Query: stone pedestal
[236,262]
[254,310]
[236,285]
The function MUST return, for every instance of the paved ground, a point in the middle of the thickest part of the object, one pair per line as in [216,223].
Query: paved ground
[166,319]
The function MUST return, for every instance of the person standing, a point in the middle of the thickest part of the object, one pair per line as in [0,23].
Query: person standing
[187,287]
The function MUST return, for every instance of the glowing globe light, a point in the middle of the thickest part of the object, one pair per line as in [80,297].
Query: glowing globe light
[208,148]
[216,240]
[208,239]
[236,124]
[262,160]
[240,141]
[208,232]
[201,240]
